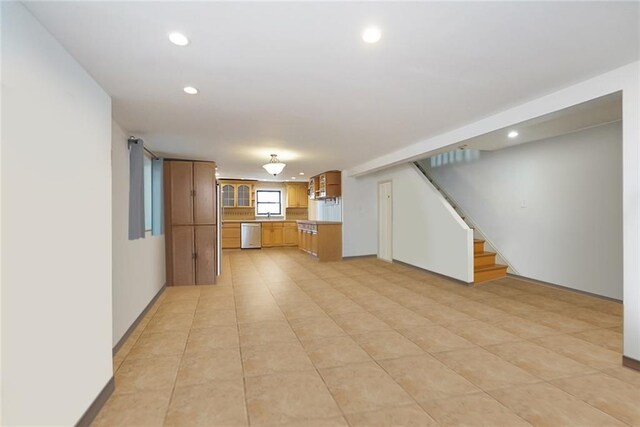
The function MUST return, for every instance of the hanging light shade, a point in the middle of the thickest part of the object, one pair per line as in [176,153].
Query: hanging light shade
[274,167]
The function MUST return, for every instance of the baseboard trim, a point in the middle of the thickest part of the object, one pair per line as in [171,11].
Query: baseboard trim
[93,410]
[444,276]
[352,257]
[135,323]
[564,288]
[631,363]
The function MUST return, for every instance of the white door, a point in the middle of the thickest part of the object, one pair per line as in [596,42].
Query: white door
[384,221]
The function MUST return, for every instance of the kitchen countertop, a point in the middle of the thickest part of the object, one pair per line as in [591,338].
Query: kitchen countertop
[309,221]
[257,220]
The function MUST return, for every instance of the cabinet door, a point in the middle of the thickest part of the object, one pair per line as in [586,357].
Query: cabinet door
[266,235]
[303,198]
[277,236]
[228,196]
[312,188]
[181,193]
[205,242]
[292,196]
[314,243]
[204,179]
[244,195]
[290,237]
[183,250]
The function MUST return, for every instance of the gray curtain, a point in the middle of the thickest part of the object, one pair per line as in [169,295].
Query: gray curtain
[136,189]
[157,211]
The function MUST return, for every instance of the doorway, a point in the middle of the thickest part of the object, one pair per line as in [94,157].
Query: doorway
[385,221]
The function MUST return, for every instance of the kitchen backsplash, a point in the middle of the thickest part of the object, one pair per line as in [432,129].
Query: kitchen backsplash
[326,210]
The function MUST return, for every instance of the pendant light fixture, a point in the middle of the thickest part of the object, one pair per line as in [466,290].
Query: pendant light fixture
[274,167]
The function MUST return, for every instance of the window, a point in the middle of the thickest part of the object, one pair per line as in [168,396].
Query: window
[148,191]
[269,202]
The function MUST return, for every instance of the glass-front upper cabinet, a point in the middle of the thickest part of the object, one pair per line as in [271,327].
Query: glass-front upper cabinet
[244,196]
[228,195]
[237,194]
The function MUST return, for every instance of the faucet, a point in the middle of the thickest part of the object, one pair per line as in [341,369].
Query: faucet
[268,215]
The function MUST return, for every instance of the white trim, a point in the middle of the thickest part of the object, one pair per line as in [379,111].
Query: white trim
[390,225]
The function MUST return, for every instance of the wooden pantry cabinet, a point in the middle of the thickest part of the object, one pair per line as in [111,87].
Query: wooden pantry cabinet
[190,218]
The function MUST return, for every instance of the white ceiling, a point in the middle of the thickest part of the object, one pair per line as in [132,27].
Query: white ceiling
[296,79]
[606,109]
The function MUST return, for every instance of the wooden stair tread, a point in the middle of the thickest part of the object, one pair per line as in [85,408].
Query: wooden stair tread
[490,267]
[481,254]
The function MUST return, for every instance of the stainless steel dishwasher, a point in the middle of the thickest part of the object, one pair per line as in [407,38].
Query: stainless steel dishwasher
[250,235]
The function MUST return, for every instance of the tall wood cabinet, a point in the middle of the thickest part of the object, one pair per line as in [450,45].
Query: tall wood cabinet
[190,217]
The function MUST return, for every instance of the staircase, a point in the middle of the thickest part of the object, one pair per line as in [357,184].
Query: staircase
[485,268]
[484,264]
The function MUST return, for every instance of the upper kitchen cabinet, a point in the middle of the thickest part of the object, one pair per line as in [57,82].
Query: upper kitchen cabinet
[313,186]
[327,185]
[297,195]
[238,194]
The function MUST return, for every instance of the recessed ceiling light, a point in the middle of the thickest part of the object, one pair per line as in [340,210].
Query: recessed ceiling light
[190,90]
[301,173]
[513,134]
[178,39]
[293,177]
[371,34]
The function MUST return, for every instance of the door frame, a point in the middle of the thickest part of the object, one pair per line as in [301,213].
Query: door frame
[390,220]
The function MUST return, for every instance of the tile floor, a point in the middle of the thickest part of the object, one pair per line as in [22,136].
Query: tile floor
[283,340]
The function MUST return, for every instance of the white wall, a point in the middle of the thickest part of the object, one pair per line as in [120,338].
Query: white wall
[570,232]
[427,233]
[138,265]
[56,228]
[625,79]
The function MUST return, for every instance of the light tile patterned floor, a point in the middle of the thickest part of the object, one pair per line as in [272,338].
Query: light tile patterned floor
[283,340]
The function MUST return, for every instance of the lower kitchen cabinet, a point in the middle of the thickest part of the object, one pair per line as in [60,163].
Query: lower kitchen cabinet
[231,235]
[272,234]
[321,239]
[290,234]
